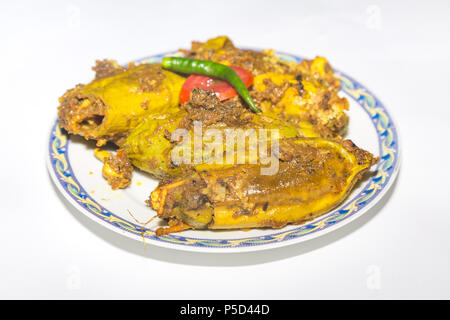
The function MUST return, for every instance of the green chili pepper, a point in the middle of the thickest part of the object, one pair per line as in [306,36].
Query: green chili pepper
[211,69]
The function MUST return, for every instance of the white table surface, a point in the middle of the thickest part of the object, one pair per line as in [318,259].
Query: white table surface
[399,50]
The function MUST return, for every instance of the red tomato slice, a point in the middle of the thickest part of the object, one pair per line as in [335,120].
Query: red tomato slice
[222,89]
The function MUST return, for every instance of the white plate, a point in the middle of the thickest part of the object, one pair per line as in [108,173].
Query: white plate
[77,174]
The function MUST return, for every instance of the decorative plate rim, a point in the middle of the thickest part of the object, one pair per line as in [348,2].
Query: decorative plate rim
[388,142]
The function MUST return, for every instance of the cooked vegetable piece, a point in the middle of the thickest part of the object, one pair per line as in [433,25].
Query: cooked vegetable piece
[314,176]
[309,94]
[109,107]
[149,145]
[211,69]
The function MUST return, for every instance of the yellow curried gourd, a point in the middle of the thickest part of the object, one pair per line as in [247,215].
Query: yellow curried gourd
[317,102]
[316,179]
[149,147]
[108,108]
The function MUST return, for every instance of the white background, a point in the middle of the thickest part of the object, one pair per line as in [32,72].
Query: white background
[399,50]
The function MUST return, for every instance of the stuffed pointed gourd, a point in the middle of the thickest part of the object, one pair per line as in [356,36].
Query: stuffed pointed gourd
[118,99]
[153,146]
[314,176]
